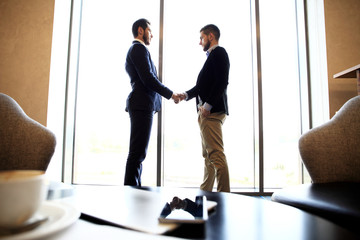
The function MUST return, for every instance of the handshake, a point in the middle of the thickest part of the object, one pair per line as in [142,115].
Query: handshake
[203,109]
[178,97]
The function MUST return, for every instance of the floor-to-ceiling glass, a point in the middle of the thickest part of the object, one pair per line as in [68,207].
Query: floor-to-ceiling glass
[102,125]
[280,92]
[183,59]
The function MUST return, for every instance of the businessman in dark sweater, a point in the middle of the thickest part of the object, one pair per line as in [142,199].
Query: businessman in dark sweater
[143,101]
[212,107]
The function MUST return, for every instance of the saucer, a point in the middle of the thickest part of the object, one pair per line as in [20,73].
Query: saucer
[60,216]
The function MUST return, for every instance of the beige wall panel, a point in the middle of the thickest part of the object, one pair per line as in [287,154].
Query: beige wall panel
[342,24]
[25,49]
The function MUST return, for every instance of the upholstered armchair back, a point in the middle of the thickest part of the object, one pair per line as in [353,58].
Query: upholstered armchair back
[24,143]
[331,152]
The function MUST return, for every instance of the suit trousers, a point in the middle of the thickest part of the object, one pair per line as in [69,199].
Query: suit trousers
[141,124]
[213,152]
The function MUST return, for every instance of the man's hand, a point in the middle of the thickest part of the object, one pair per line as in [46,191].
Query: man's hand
[178,97]
[204,113]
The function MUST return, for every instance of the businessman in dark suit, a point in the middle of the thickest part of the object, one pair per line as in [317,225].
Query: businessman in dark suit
[143,101]
[212,107]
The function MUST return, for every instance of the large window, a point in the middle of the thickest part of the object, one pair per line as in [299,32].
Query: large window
[280,92]
[102,125]
[183,59]
[261,132]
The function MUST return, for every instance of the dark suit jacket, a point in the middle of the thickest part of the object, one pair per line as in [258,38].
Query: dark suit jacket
[212,81]
[146,87]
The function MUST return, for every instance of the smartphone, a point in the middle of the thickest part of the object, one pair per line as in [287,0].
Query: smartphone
[185,211]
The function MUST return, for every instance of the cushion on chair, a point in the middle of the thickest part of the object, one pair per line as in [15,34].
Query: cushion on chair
[24,143]
[331,152]
[337,202]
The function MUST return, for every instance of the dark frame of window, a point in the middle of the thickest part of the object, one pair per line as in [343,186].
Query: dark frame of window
[71,88]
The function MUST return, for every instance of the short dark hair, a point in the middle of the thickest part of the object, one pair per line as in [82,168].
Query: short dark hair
[143,23]
[211,28]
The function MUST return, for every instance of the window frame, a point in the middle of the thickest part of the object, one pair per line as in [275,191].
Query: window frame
[64,126]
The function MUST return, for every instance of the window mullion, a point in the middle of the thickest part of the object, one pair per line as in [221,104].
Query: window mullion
[160,132]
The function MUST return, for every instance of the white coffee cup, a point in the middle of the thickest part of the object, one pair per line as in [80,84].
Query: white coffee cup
[21,194]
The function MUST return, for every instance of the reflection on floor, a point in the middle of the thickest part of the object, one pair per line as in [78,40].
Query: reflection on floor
[264,197]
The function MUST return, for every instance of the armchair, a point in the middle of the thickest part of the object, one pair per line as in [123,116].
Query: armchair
[24,143]
[331,154]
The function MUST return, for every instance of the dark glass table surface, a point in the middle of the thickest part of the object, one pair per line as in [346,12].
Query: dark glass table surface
[236,216]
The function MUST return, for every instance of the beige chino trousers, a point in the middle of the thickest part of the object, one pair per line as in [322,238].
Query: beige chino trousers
[213,152]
